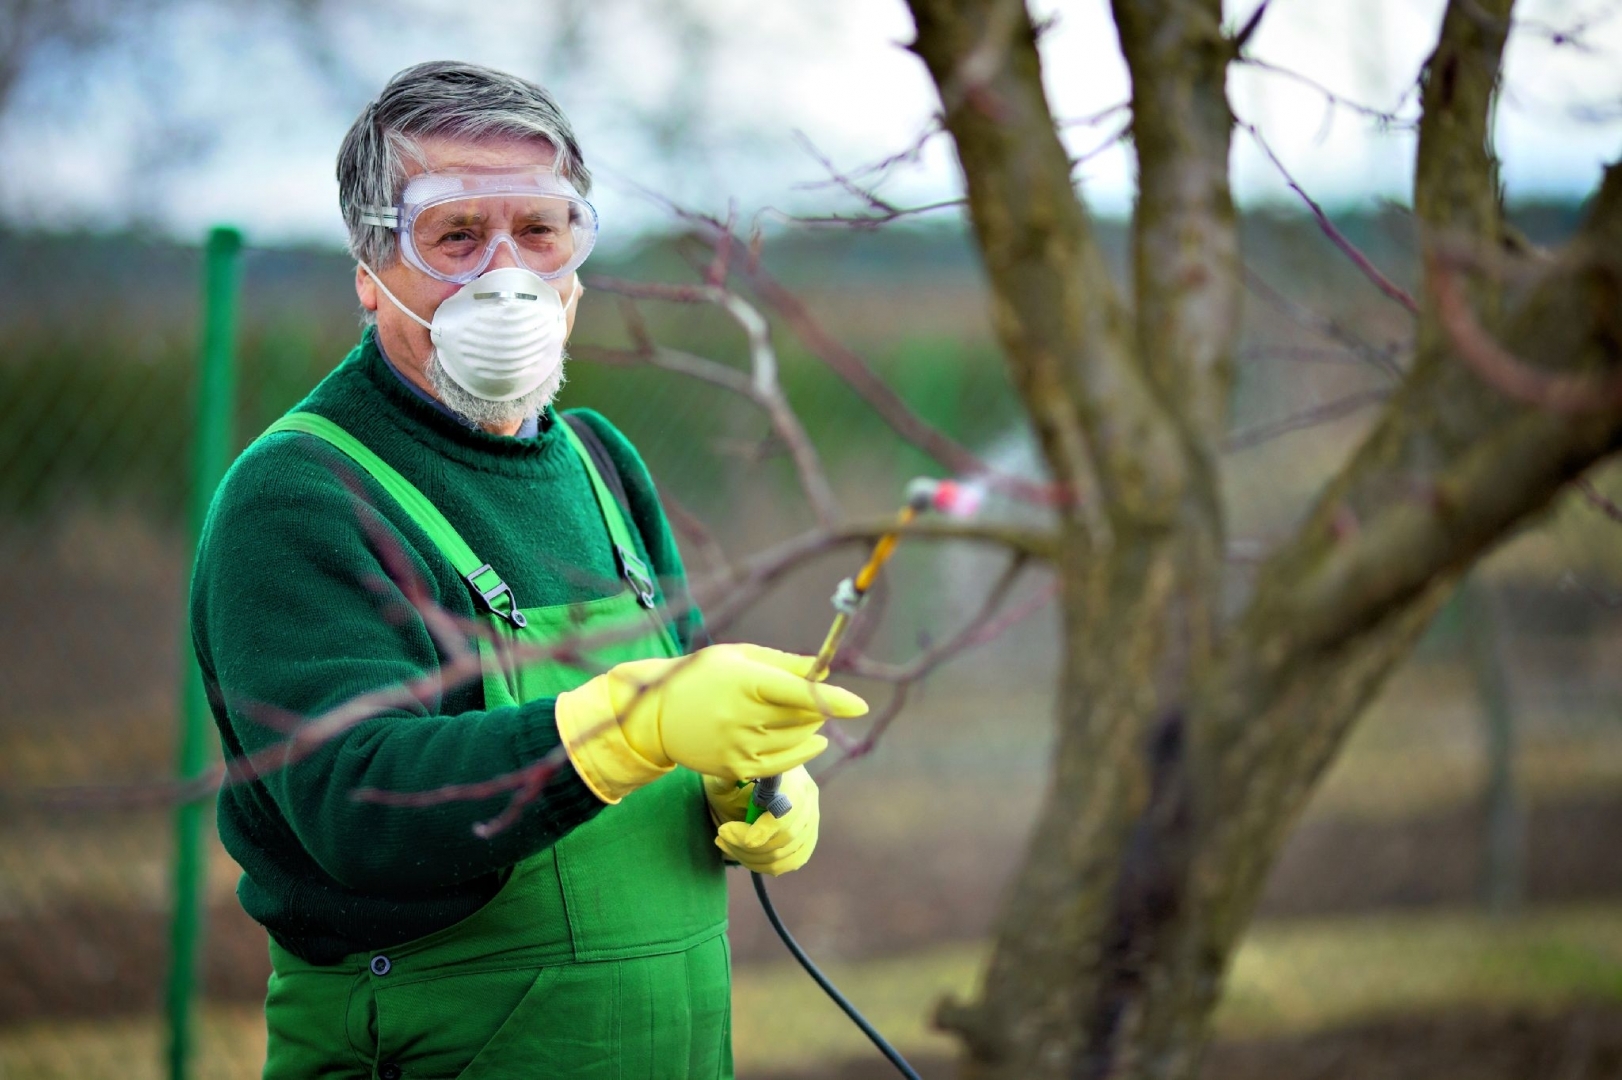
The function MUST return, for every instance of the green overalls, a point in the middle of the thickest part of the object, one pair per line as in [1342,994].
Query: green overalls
[604,956]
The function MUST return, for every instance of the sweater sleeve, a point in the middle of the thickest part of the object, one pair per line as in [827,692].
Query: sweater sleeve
[297,608]
[653,527]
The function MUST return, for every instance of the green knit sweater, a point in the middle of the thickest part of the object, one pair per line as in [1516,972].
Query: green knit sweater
[294,609]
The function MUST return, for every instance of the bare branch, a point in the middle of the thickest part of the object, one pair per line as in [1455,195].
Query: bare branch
[1247,31]
[1572,35]
[889,405]
[720,266]
[725,602]
[1114,137]
[1598,501]
[883,211]
[1571,393]
[1390,288]
[1382,359]
[982,627]
[881,168]
[762,387]
[1335,356]
[1094,119]
[1322,414]
[857,221]
[859,375]
[1327,584]
[1386,118]
[688,525]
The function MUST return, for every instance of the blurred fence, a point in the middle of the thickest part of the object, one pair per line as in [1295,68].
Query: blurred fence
[96,401]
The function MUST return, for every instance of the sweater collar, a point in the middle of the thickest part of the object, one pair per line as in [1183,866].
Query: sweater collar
[400,405]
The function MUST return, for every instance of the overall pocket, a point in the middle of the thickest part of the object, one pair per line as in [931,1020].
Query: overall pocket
[665,1017]
[433,1028]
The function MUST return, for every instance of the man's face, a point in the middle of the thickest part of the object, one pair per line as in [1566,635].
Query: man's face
[403,338]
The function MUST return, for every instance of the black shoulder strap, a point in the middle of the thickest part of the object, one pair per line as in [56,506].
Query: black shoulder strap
[611,476]
[605,464]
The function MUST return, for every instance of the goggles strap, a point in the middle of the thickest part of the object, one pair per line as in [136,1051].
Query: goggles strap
[426,325]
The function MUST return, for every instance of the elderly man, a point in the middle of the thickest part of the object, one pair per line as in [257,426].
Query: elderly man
[460,592]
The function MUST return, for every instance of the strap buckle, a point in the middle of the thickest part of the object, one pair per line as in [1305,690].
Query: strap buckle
[495,592]
[636,575]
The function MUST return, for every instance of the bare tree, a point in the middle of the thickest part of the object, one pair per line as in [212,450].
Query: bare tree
[1189,739]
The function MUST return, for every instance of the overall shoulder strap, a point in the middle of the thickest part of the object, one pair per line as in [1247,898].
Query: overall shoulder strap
[598,455]
[497,598]
[636,572]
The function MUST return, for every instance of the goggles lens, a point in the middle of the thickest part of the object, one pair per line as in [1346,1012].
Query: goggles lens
[452,225]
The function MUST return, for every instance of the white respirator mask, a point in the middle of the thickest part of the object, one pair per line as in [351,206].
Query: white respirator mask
[499,336]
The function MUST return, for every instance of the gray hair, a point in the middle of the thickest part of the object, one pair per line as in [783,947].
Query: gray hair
[446,99]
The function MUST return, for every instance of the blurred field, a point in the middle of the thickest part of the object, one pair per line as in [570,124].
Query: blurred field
[1372,929]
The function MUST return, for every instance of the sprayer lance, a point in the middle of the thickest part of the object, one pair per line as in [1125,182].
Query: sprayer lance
[922,494]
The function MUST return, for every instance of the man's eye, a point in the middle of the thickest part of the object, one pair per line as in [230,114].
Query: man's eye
[457,236]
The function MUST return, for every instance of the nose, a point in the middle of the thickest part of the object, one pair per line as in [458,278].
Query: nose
[505,254]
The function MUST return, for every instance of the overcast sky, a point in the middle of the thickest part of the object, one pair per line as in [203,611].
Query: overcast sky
[206,115]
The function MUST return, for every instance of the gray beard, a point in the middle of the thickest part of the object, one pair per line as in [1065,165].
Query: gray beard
[490,414]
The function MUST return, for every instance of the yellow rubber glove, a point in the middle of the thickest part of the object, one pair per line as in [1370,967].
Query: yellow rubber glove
[769,846]
[734,712]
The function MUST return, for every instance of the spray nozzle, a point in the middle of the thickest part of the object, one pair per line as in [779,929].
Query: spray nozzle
[943,497]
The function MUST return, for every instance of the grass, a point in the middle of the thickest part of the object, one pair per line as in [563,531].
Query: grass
[1288,978]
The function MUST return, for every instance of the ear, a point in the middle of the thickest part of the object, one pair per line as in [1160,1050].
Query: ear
[366,290]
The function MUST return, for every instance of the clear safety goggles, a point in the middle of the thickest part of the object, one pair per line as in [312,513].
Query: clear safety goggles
[450,223]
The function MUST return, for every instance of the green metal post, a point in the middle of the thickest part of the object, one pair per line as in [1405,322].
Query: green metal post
[211,452]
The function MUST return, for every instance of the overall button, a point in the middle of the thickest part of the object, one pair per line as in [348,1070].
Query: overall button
[381,966]
[389,1070]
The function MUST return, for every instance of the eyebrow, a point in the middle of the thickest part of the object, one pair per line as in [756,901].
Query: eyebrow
[478,218]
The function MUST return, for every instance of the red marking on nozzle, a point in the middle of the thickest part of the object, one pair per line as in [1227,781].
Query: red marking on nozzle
[945,497]
[957,500]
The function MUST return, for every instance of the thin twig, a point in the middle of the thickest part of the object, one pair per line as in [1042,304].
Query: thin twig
[1381,359]
[693,529]
[1322,414]
[984,626]
[1248,30]
[1335,355]
[1114,137]
[908,154]
[1593,497]
[1390,288]
[762,387]
[1094,119]
[1386,118]
[855,371]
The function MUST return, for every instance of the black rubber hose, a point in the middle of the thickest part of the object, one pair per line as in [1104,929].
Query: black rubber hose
[832,991]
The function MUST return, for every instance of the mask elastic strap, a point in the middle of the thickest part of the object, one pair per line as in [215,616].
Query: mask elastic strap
[426,325]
